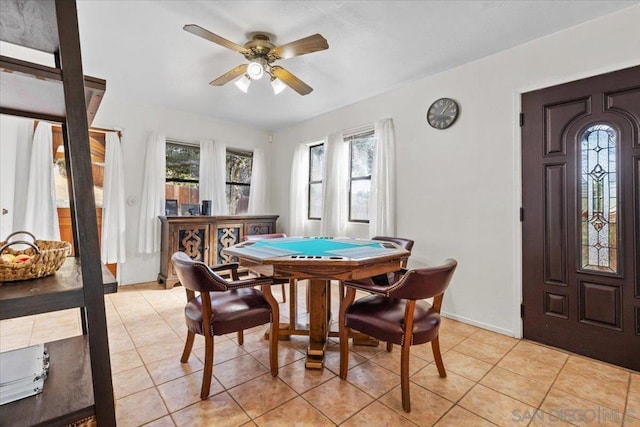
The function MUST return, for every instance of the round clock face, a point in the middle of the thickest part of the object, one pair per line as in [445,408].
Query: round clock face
[442,113]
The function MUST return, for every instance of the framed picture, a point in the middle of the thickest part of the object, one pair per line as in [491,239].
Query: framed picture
[190,209]
[171,207]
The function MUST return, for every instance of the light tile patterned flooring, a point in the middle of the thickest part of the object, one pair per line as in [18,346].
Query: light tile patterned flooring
[492,379]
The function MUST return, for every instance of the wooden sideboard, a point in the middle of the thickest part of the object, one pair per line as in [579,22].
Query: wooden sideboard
[204,237]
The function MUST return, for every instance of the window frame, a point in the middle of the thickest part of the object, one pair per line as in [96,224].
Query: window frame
[310,182]
[351,138]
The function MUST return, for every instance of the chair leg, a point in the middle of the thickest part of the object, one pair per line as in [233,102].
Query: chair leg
[435,346]
[273,330]
[404,376]
[240,337]
[188,345]
[208,367]
[284,294]
[389,346]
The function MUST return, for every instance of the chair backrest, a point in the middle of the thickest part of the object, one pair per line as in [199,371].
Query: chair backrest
[254,237]
[425,282]
[403,243]
[197,276]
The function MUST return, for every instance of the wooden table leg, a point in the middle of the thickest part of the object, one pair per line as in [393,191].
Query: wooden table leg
[318,323]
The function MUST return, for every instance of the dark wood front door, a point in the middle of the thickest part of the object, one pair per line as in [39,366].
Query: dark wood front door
[581,216]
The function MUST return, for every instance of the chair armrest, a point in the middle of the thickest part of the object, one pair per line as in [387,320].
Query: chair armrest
[369,285]
[222,267]
[249,283]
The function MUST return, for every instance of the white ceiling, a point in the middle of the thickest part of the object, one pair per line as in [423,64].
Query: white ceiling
[140,48]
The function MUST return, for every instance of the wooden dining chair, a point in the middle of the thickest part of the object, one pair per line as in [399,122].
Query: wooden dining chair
[386,279]
[397,314]
[216,306]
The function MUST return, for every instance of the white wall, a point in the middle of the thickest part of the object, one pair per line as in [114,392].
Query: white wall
[459,189]
[137,121]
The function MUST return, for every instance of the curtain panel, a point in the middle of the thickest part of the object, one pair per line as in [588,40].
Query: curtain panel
[41,217]
[382,202]
[298,196]
[335,195]
[213,167]
[153,195]
[258,189]
[113,208]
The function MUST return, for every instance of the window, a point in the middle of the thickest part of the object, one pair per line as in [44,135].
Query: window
[316,167]
[360,165]
[238,181]
[183,175]
[361,149]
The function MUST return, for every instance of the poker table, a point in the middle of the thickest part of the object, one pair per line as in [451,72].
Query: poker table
[320,260]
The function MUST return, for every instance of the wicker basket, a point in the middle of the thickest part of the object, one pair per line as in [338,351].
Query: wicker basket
[47,256]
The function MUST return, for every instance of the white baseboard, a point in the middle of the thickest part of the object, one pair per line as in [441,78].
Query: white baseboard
[478,324]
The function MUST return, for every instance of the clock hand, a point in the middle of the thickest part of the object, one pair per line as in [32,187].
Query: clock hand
[445,107]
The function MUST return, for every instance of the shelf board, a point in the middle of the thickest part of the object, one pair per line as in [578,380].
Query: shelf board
[67,395]
[59,291]
[36,91]
[30,23]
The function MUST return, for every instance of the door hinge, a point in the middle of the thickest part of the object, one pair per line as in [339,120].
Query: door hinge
[521,214]
[521,119]
[522,311]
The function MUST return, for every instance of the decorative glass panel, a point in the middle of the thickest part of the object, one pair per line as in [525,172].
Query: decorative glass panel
[599,199]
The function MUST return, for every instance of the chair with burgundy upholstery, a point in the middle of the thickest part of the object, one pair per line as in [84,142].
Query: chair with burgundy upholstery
[386,279]
[397,314]
[255,237]
[216,306]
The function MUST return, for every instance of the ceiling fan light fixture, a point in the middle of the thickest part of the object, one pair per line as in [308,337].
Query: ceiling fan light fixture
[277,85]
[255,70]
[243,83]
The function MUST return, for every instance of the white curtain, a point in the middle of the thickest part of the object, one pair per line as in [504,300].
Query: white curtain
[382,203]
[298,195]
[113,219]
[258,189]
[16,138]
[336,187]
[213,166]
[41,217]
[153,191]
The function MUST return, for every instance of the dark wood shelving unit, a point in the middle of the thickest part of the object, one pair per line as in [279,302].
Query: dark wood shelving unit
[79,384]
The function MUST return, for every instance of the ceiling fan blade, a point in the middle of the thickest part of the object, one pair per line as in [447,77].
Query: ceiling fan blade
[303,46]
[230,75]
[205,34]
[290,80]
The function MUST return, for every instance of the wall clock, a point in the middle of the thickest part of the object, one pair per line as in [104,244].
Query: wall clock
[442,113]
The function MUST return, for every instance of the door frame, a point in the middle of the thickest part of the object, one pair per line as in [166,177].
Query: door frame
[518,324]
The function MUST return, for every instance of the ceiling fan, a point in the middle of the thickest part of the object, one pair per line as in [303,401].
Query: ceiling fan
[261,54]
